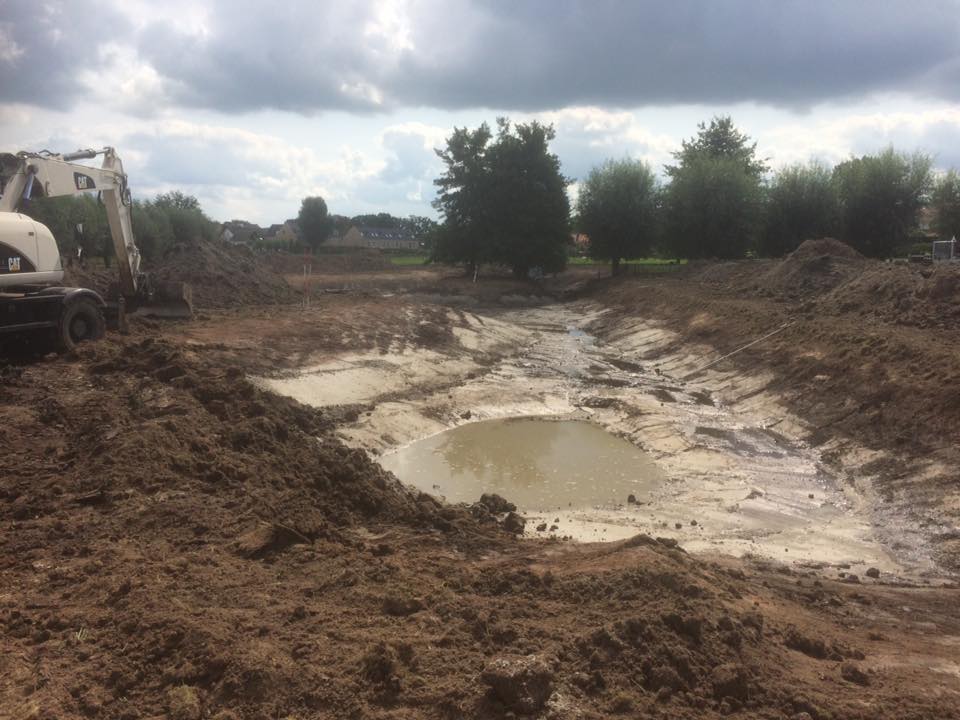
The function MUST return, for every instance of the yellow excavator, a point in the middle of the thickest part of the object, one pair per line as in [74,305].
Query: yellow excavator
[33,301]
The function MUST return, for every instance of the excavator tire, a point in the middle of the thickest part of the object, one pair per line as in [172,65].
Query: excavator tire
[81,321]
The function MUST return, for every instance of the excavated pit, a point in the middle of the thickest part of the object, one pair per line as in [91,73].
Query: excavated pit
[723,466]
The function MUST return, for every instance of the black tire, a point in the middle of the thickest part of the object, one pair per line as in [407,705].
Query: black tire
[81,321]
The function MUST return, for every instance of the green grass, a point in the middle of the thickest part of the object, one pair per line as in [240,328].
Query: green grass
[406,260]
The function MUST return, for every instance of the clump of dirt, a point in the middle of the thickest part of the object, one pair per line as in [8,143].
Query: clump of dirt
[223,276]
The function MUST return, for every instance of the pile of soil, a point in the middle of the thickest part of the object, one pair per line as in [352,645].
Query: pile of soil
[910,295]
[812,269]
[97,279]
[819,247]
[330,263]
[223,276]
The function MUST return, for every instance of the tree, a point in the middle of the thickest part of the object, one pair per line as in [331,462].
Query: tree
[418,226]
[801,204]
[315,224]
[720,139]
[178,200]
[880,196]
[713,201]
[946,203]
[503,200]
[382,220]
[712,209]
[617,209]
[158,224]
[467,222]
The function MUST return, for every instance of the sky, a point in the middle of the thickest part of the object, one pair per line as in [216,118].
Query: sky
[252,106]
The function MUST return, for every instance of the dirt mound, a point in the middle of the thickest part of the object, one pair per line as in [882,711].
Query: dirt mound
[98,279]
[223,276]
[330,263]
[824,246]
[814,268]
[919,296]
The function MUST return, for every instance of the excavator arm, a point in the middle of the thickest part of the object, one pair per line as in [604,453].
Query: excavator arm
[30,175]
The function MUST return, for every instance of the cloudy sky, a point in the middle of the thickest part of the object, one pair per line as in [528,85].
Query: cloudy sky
[251,106]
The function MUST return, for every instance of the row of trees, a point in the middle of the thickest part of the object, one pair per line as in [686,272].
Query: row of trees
[718,203]
[503,200]
[80,222]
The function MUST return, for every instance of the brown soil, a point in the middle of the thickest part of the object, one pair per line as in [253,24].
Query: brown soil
[180,544]
[323,263]
[221,276]
[224,275]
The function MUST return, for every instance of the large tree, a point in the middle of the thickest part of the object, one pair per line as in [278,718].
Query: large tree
[714,197]
[801,203]
[503,199]
[464,235]
[617,208]
[880,196]
[946,203]
[720,139]
[315,223]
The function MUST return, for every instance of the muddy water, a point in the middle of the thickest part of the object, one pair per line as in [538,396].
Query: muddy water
[537,464]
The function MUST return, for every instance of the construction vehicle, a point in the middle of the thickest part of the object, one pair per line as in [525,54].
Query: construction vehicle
[33,303]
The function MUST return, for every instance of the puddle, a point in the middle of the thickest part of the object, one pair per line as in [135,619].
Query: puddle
[537,464]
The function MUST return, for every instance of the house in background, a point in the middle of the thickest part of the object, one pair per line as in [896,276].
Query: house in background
[286,233]
[240,232]
[378,238]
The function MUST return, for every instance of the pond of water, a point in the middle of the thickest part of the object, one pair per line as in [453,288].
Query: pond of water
[537,464]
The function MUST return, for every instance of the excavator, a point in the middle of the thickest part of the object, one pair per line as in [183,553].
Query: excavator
[33,303]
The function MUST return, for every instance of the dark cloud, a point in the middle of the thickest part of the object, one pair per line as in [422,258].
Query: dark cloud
[295,56]
[534,56]
[44,47]
[305,56]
